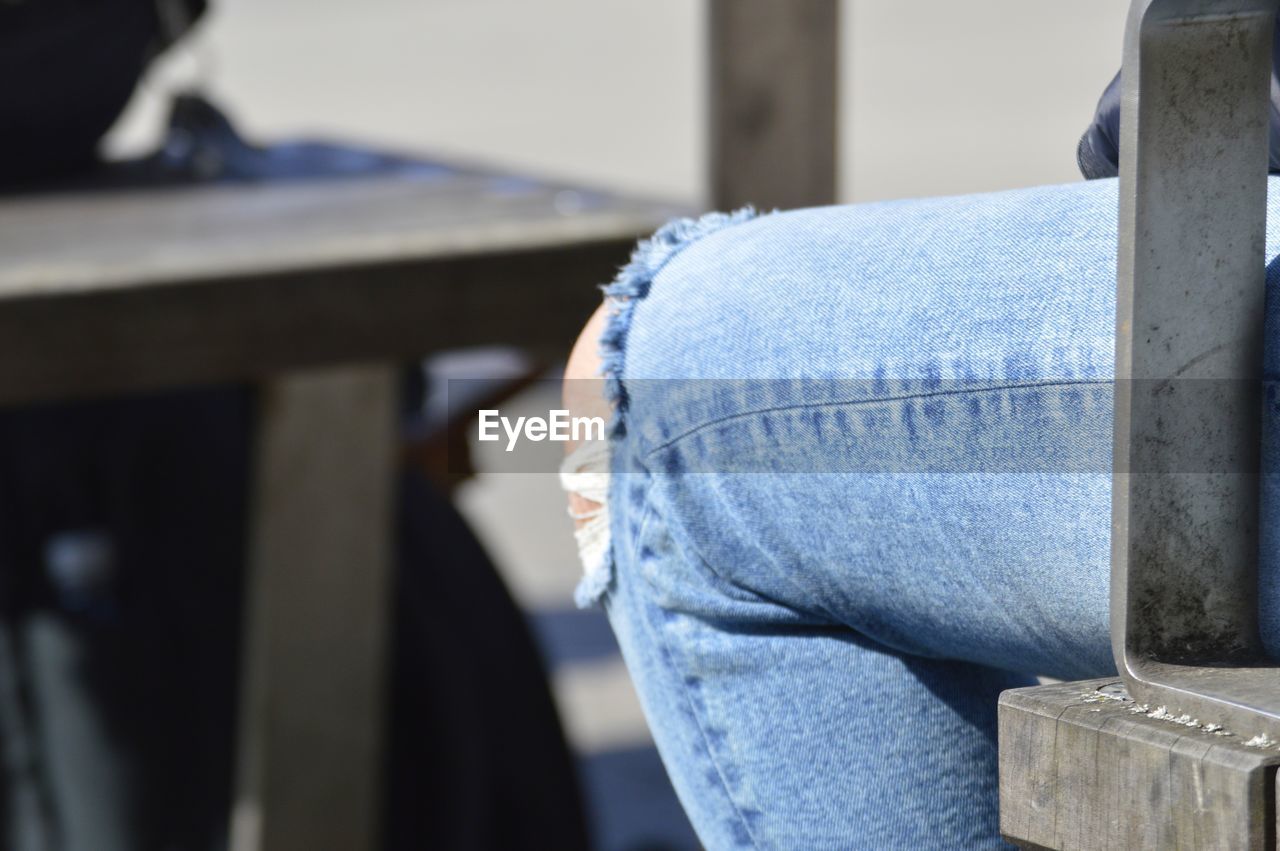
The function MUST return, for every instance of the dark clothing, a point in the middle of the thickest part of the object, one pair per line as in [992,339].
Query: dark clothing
[476,757]
[69,68]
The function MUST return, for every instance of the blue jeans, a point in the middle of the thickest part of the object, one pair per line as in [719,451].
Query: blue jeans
[860,485]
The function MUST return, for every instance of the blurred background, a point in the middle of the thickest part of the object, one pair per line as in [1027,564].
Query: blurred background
[940,98]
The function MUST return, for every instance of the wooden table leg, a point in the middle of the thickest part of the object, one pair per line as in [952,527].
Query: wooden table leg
[317,629]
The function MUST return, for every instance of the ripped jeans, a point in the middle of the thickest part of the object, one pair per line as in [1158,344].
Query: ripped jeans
[859,484]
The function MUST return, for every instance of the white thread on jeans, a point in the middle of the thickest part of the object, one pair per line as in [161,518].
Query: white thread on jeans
[585,472]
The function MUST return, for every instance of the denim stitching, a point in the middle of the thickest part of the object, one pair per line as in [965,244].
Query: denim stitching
[670,442]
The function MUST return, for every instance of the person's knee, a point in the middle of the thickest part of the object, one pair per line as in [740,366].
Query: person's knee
[583,388]
[585,473]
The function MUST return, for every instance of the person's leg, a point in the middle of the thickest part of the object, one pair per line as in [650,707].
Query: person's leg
[860,466]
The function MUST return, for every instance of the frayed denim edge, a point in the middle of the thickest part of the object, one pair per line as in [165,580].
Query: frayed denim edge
[594,583]
[630,286]
[633,283]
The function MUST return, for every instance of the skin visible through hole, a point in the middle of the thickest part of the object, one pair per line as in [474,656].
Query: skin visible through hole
[584,390]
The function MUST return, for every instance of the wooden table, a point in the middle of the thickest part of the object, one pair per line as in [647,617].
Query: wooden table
[315,290]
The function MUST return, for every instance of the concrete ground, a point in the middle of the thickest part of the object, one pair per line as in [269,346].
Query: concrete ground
[937,98]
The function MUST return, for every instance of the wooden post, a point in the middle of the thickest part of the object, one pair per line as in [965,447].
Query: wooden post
[773,102]
[311,740]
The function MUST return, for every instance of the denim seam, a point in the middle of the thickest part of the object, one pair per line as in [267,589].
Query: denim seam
[698,710]
[645,519]
[668,654]
[802,406]
[589,592]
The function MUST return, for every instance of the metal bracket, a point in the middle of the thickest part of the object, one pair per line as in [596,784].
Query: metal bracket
[1182,755]
[1188,361]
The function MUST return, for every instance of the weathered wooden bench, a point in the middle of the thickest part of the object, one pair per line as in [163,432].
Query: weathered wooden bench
[316,291]
[1180,751]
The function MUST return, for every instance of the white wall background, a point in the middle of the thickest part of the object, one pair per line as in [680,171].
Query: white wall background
[952,97]
[942,97]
